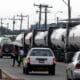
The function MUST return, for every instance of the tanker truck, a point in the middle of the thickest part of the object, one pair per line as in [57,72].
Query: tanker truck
[56,41]
[74,42]
[39,38]
[74,38]
[28,40]
[52,38]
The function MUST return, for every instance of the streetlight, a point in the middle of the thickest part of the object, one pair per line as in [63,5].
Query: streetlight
[57,18]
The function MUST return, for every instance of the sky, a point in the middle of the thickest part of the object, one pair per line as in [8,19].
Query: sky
[10,8]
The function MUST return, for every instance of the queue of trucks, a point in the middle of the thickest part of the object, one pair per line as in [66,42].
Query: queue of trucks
[54,38]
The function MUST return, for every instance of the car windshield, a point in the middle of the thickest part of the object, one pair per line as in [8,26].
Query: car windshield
[41,52]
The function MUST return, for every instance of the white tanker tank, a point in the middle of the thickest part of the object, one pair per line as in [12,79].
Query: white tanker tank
[28,38]
[19,40]
[19,37]
[41,38]
[74,36]
[58,37]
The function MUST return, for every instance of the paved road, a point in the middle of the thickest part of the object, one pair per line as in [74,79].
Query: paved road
[17,71]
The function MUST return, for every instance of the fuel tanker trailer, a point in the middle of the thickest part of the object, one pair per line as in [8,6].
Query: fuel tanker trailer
[74,38]
[28,39]
[19,38]
[57,39]
[41,38]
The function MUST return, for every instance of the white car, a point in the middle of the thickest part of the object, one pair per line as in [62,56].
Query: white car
[39,59]
[73,68]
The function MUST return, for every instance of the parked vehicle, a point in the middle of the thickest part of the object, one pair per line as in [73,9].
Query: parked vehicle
[5,46]
[73,68]
[39,59]
[7,50]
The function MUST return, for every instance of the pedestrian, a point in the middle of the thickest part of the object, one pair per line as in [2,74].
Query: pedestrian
[25,49]
[15,55]
[21,55]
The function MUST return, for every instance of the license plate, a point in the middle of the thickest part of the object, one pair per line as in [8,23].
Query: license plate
[40,69]
[41,61]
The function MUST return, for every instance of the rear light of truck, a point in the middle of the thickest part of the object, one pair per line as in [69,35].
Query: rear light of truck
[77,66]
[54,61]
[28,60]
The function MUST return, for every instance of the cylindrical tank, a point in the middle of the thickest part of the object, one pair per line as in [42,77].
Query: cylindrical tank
[41,38]
[74,36]
[58,37]
[19,37]
[28,38]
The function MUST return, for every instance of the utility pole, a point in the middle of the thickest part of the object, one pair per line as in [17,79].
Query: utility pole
[21,21]
[40,7]
[68,27]
[69,21]
[7,26]
[2,21]
[45,18]
[22,16]
[46,6]
[57,20]
[1,25]
[13,19]
[27,21]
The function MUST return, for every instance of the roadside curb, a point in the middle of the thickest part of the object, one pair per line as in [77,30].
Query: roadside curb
[7,74]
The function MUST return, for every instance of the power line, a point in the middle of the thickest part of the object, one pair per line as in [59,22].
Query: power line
[40,11]
[21,19]
[2,21]
[7,26]
[13,19]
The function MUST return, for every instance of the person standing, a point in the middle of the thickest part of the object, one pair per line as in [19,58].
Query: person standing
[15,55]
[21,55]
